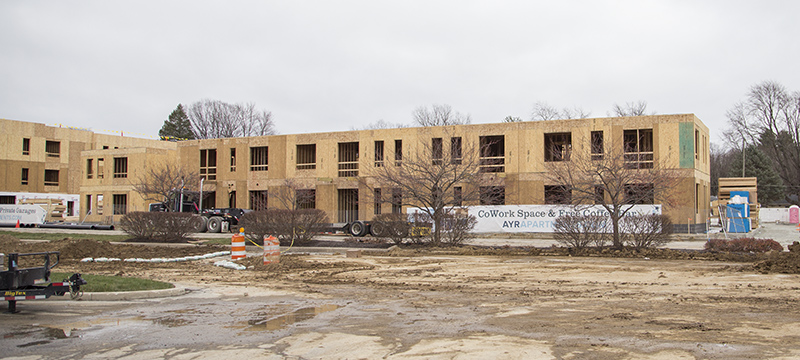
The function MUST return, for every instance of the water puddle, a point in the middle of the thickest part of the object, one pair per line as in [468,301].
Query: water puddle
[296,316]
[171,321]
[45,332]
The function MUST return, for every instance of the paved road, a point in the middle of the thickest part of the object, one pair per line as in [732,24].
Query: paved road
[784,234]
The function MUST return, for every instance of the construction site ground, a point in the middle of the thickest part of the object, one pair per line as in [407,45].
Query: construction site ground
[420,303]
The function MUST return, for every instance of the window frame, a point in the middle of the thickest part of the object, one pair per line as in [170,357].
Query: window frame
[259,158]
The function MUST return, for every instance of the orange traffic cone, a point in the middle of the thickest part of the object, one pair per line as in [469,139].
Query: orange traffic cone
[17,224]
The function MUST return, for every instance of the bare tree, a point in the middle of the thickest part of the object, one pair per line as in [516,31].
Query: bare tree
[437,181]
[439,115]
[216,119]
[770,119]
[292,195]
[638,108]
[575,113]
[292,214]
[614,180]
[511,119]
[163,182]
[381,124]
[721,161]
[543,111]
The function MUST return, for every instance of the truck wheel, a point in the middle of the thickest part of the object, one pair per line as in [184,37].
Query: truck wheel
[358,228]
[377,229]
[199,224]
[214,224]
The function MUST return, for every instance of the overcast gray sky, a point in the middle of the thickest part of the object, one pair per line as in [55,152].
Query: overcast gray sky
[336,65]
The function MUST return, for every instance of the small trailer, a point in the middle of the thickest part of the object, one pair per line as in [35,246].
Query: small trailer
[33,283]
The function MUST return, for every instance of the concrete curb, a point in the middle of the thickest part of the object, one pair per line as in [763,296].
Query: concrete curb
[127,295]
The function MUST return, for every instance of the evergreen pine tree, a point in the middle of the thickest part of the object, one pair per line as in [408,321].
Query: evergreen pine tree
[758,165]
[177,126]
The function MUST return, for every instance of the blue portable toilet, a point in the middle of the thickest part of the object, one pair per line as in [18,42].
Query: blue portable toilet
[739,214]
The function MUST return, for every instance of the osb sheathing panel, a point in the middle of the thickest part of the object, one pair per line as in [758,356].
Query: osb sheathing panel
[524,151]
[326,200]
[11,177]
[139,159]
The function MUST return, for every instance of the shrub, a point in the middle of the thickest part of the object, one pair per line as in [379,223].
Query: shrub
[158,226]
[646,231]
[288,225]
[307,223]
[257,225]
[457,227]
[746,245]
[580,231]
[394,227]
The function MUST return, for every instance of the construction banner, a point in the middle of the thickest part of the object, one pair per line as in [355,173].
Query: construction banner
[537,218]
[24,214]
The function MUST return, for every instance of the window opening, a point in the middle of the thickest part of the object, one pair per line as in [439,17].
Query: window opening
[557,146]
[437,151]
[378,201]
[597,145]
[24,180]
[259,200]
[26,146]
[121,167]
[233,159]
[638,148]
[120,204]
[259,158]
[557,194]
[208,164]
[378,153]
[51,178]
[52,148]
[348,205]
[492,153]
[492,195]
[398,152]
[455,150]
[639,194]
[232,199]
[599,194]
[306,198]
[397,201]
[348,159]
[306,157]
[89,168]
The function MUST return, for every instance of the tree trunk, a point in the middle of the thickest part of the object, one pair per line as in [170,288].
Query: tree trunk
[617,244]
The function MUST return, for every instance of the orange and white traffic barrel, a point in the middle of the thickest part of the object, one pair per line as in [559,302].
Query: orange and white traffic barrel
[237,246]
[272,250]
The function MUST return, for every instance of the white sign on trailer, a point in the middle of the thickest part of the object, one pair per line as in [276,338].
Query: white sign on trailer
[25,214]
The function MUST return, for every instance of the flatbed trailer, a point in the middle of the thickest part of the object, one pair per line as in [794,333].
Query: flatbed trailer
[17,284]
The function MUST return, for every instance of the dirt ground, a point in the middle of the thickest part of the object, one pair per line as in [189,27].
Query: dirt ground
[404,303]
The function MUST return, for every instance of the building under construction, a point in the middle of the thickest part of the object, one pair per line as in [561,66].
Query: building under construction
[331,168]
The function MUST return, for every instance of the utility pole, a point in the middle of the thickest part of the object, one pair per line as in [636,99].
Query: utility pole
[180,204]
[742,156]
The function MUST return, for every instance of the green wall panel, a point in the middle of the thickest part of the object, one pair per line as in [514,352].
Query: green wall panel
[686,140]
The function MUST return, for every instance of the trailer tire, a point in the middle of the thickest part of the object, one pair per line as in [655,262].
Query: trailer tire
[358,228]
[377,229]
[199,223]
[214,224]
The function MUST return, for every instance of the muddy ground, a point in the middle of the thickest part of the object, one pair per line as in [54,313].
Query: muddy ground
[456,303]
